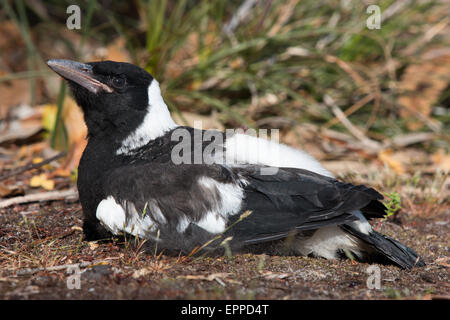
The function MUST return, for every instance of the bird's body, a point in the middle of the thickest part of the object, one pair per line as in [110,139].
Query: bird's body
[142,174]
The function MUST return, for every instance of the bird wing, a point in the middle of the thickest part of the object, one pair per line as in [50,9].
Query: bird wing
[297,199]
[188,213]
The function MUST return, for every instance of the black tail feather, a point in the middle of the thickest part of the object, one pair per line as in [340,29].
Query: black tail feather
[390,249]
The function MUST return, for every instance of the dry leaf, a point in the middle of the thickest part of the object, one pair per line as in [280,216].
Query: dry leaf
[117,51]
[442,160]
[49,116]
[14,92]
[26,123]
[386,156]
[76,132]
[27,151]
[12,48]
[4,191]
[9,192]
[37,160]
[152,267]
[42,181]
[93,245]
[443,262]
[421,85]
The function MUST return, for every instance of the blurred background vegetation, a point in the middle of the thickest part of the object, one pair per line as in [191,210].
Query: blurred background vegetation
[310,68]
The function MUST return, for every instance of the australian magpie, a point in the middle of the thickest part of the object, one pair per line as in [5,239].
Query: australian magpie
[141,174]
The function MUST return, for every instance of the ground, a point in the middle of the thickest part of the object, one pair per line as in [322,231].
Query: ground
[37,238]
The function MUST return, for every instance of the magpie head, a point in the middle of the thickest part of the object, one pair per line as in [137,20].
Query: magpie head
[114,96]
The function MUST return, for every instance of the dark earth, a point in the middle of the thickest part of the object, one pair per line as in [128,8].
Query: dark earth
[37,238]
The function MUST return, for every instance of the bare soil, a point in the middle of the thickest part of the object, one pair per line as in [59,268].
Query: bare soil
[37,238]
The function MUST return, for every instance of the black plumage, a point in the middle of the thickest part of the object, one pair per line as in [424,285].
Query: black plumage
[128,169]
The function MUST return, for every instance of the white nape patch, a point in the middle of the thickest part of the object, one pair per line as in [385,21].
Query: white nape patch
[242,148]
[156,122]
[112,216]
[326,242]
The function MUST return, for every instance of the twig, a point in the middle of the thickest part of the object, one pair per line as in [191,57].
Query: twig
[352,109]
[352,73]
[31,166]
[408,139]
[28,271]
[432,124]
[287,10]
[394,8]
[357,133]
[83,264]
[242,12]
[43,196]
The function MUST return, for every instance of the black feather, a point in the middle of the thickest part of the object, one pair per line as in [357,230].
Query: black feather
[388,248]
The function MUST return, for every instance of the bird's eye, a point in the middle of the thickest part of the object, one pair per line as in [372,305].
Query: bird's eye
[118,82]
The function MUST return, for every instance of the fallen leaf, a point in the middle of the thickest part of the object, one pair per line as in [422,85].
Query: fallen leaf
[12,47]
[274,275]
[93,245]
[10,192]
[38,160]
[25,123]
[27,151]
[41,180]
[441,160]
[15,92]
[49,116]
[421,86]
[152,267]
[115,51]
[76,131]
[4,191]
[445,261]
[386,156]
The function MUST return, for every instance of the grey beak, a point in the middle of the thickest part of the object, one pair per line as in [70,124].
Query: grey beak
[79,73]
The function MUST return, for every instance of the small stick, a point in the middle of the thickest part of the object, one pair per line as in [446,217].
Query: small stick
[43,196]
[356,132]
[31,166]
[352,109]
[83,264]
[27,271]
